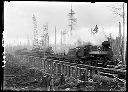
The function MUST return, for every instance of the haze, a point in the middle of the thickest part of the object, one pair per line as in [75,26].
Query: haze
[18,23]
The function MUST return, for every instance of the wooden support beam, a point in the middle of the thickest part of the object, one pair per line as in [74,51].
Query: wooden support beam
[69,69]
[64,69]
[42,63]
[78,72]
[74,72]
[52,66]
[65,72]
[31,60]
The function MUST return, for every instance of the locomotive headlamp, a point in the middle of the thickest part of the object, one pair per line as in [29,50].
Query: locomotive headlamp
[77,48]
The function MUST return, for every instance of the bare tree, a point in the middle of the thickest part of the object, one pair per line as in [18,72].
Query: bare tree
[119,11]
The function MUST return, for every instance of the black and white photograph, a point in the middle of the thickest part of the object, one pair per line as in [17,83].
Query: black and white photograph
[64,46]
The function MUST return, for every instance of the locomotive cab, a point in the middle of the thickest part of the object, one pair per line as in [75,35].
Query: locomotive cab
[106,47]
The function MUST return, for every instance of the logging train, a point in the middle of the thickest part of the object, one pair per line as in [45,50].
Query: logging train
[85,54]
[92,55]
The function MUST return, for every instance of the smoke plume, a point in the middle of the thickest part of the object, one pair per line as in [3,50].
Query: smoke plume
[84,35]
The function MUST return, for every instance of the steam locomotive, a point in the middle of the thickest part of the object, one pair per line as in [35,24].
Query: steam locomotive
[92,55]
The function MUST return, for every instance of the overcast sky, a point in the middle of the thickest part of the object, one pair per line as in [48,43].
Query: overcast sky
[18,23]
